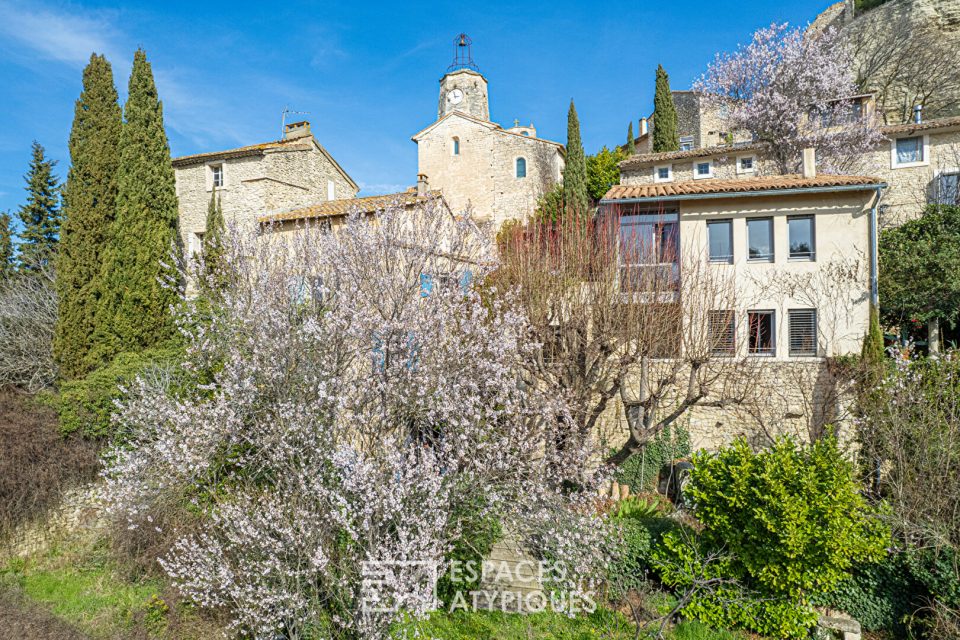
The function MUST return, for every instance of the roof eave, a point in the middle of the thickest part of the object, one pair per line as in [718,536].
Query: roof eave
[746,194]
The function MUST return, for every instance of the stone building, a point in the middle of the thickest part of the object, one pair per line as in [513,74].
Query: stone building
[258,179]
[698,125]
[496,173]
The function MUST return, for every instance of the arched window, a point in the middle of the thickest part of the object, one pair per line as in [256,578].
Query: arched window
[456,146]
[521,167]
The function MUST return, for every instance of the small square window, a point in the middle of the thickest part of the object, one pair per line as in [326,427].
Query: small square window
[760,239]
[801,237]
[803,332]
[663,174]
[761,341]
[703,169]
[216,174]
[686,143]
[720,238]
[722,333]
[909,150]
[745,164]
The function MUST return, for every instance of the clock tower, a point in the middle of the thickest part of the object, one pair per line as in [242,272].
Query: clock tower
[463,88]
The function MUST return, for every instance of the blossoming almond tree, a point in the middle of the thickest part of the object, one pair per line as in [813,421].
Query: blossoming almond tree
[345,398]
[792,89]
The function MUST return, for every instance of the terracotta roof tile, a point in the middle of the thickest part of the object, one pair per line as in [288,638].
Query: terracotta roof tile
[747,185]
[342,207]
[642,159]
[910,127]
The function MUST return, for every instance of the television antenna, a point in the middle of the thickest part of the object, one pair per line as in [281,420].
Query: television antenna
[283,118]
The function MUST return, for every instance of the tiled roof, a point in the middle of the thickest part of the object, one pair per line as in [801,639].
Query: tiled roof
[240,152]
[910,127]
[642,159]
[342,207]
[733,187]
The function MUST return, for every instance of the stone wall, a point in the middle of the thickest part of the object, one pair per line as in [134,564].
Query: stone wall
[724,167]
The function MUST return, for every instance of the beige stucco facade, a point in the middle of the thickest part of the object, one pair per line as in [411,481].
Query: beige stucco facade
[498,174]
[271,177]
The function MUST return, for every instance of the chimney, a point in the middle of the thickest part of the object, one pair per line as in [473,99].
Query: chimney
[918,114]
[809,162]
[421,185]
[296,130]
[643,126]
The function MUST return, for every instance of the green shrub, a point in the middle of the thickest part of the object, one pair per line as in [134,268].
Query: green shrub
[641,527]
[86,404]
[779,527]
[641,470]
[478,535]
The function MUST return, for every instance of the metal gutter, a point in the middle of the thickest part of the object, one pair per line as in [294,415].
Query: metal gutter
[747,194]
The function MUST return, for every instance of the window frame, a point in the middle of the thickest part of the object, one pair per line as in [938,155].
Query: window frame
[773,248]
[456,146]
[685,140]
[815,336]
[516,167]
[938,195]
[331,190]
[665,226]
[753,164]
[720,259]
[696,167]
[656,173]
[813,239]
[772,314]
[924,150]
[727,350]
[216,169]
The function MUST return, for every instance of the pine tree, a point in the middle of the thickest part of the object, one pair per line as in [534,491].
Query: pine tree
[89,203]
[213,240]
[6,246]
[40,216]
[575,196]
[134,311]
[631,145]
[665,136]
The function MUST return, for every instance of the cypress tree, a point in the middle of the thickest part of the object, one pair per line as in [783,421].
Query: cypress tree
[665,136]
[134,311]
[6,246]
[575,196]
[89,203]
[213,240]
[40,216]
[631,146]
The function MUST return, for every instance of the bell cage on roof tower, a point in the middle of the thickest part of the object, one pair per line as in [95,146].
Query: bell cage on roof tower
[462,56]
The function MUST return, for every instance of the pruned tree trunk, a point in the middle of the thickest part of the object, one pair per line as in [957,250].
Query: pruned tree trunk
[933,336]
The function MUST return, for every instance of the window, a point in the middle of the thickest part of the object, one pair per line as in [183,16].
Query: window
[525,133]
[800,234]
[948,188]
[720,237]
[216,175]
[648,252]
[803,332]
[521,167]
[745,164]
[456,146]
[331,190]
[703,169]
[663,174]
[722,333]
[909,151]
[195,243]
[686,143]
[761,341]
[760,239]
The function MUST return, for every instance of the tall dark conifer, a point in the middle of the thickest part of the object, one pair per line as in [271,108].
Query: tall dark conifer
[6,246]
[134,310]
[575,196]
[213,249]
[631,145]
[89,204]
[665,136]
[40,215]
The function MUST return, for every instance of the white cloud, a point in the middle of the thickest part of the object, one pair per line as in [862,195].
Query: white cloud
[57,35]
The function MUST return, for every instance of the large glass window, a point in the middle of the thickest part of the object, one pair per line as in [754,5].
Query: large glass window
[720,235]
[648,252]
[910,150]
[521,167]
[803,332]
[948,188]
[760,239]
[761,342]
[800,232]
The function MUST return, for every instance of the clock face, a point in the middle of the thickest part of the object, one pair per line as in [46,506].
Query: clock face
[455,96]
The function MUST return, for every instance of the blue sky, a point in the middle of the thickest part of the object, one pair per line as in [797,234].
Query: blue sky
[367,72]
